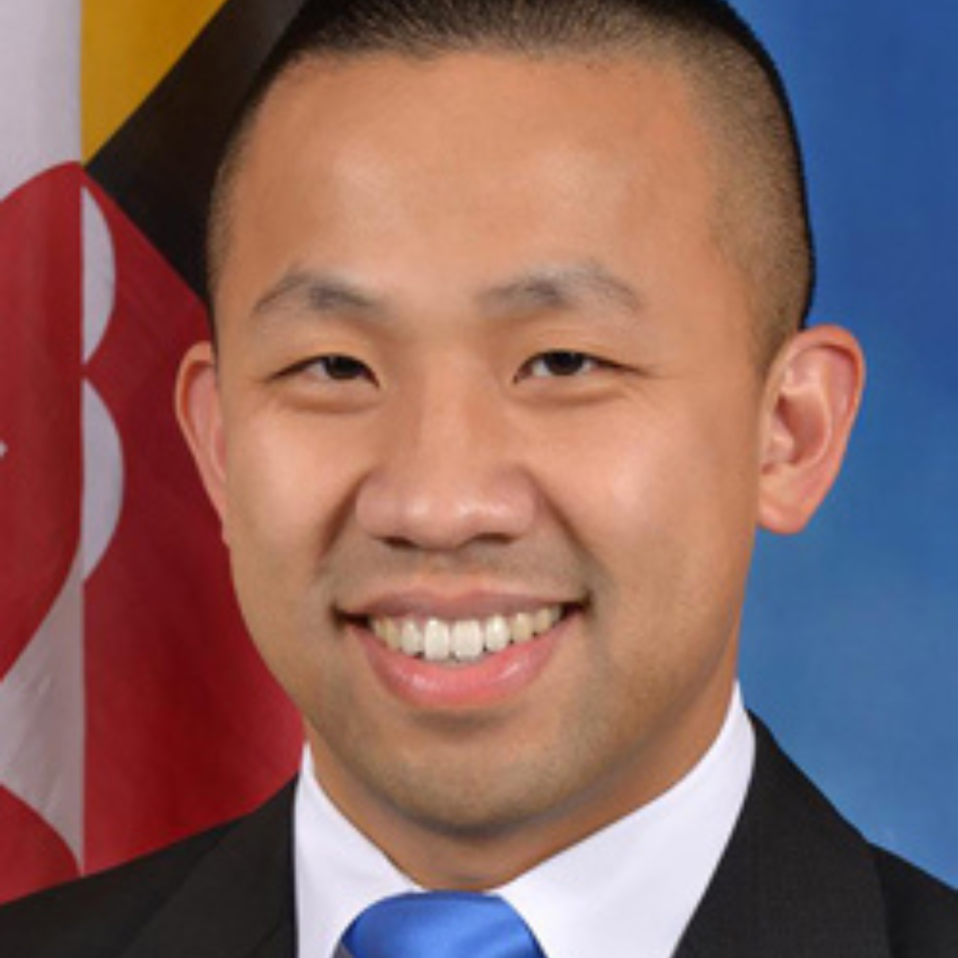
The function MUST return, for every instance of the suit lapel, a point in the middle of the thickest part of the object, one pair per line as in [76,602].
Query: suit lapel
[238,901]
[280,943]
[796,880]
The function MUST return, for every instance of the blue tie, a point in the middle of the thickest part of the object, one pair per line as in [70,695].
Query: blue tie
[441,925]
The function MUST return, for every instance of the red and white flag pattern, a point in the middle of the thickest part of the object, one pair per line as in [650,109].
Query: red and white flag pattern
[132,708]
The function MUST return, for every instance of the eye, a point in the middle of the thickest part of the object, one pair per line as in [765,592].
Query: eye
[560,363]
[335,367]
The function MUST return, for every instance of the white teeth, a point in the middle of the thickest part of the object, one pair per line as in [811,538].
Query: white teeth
[497,634]
[544,619]
[391,634]
[437,642]
[465,640]
[411,638]
[521,627]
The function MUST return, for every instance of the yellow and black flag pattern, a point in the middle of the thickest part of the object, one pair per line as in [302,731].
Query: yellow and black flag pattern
[162,83]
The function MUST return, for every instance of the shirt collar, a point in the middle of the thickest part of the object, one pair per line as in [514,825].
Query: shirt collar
[631,889]
[628,890]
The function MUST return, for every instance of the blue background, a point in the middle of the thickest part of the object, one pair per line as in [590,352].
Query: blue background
[851,632]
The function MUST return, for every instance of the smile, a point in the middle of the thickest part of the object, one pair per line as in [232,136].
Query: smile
[463,640]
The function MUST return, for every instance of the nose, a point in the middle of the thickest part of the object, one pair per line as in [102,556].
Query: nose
[449,472]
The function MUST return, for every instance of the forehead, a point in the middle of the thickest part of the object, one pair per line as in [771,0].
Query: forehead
[363,111]
[479,160]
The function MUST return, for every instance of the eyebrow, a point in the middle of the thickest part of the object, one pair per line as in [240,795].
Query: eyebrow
[559,287]
[317,293]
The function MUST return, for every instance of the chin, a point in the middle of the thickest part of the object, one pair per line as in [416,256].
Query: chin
[474,800]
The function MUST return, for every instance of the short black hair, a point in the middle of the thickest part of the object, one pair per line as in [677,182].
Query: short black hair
[763,221]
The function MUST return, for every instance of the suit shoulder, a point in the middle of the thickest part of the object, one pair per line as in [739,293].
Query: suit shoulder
[922,911]
[97,917]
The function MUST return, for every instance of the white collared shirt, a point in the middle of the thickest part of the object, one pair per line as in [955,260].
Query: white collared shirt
[627,891]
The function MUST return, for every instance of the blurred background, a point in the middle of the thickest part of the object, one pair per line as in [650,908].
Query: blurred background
[851,635]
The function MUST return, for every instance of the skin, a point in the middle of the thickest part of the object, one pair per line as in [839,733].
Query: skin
[486,211]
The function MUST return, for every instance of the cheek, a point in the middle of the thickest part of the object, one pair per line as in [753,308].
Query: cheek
[286,486]
[634,475]
[288,493]
[285,493]
[663,501]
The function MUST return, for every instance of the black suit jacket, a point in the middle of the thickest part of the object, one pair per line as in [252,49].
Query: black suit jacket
[795,882]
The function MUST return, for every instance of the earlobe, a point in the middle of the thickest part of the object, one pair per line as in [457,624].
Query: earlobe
[199,411]
[814,391]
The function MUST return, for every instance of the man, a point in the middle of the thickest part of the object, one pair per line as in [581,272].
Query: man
[509,364]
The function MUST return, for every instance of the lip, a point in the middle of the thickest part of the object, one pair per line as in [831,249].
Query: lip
[493,680]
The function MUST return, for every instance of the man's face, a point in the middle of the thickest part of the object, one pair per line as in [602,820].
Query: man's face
[481,360]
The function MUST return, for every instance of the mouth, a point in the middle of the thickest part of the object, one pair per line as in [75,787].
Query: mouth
[454,655]
[463,640]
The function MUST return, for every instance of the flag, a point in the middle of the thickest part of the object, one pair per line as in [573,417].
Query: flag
[133,709]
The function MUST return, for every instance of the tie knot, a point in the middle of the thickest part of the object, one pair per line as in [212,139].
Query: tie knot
[441,925]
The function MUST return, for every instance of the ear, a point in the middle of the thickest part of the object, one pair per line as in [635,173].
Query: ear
[200,414]
[813,393]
